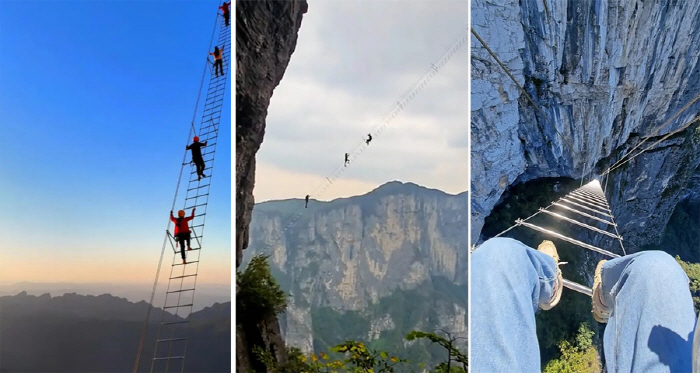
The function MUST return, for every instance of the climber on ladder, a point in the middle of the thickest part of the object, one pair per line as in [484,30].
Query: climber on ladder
[226,8]
[307,202]
[347,159]
[197,158]
[369,138]
[218,60]
[182,230]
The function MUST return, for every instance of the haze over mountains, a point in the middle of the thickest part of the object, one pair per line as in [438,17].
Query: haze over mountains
[77,333]
[207,294]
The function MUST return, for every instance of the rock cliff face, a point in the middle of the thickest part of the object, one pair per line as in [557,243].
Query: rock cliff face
[350,253]
[604,74]
[266,35]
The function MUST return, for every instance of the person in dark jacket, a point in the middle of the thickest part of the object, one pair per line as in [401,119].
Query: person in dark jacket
[182,230]
[218,60]
[306,205]
[196,148]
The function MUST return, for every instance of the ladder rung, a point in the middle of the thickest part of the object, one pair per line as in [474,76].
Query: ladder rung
[179,291]
[197,196]
[187,208]
[168,358]
[197,226]
[584,207]
[174,322]
[208,120]
[198,187]
[193,249]
[584,214]
[589,203]
[580,224]
[180,264]
[577,287]
[567,239]
[173,278]
[207,133]
[172,339]
[183,305]
[589,195]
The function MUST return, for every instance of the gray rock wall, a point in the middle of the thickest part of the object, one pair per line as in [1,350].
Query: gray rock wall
[602,72]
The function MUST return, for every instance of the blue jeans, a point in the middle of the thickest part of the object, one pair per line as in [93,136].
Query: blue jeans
[650,328]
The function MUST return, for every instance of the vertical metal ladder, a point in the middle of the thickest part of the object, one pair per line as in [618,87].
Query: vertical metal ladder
[586,207]
[171,342]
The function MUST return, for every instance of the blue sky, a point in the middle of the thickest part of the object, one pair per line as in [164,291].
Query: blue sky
[96,100]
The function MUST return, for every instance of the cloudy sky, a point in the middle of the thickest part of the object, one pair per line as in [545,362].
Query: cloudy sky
[353,61]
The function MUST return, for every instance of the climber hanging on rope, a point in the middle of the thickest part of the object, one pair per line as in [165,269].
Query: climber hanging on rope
[226,8]
[347,159]
[644,297]
[197,158]
[182,230]
[218,61]
[369,138]
[307,201]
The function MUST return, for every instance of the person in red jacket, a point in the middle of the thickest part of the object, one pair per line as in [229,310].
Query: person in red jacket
[182,230]
[226,8]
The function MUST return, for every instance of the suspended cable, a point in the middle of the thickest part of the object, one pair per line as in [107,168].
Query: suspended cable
[658,129]
[612,168]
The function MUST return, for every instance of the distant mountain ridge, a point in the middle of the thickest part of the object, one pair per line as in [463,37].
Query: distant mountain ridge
[207,293]
[79,333]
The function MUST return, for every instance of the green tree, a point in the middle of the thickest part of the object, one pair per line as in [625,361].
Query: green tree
[259,295]
[577,357]
[453,354]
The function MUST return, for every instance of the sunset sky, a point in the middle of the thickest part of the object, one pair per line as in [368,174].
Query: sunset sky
[96,100]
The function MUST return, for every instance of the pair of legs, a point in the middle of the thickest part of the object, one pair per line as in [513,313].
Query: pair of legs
[199,162]
[219,66]
[182,238]
[650,328]
[227,18]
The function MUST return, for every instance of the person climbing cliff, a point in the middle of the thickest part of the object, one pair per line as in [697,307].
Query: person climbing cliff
[369,138]
[182,231]
[347,159]
[196,148]
[643,297]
